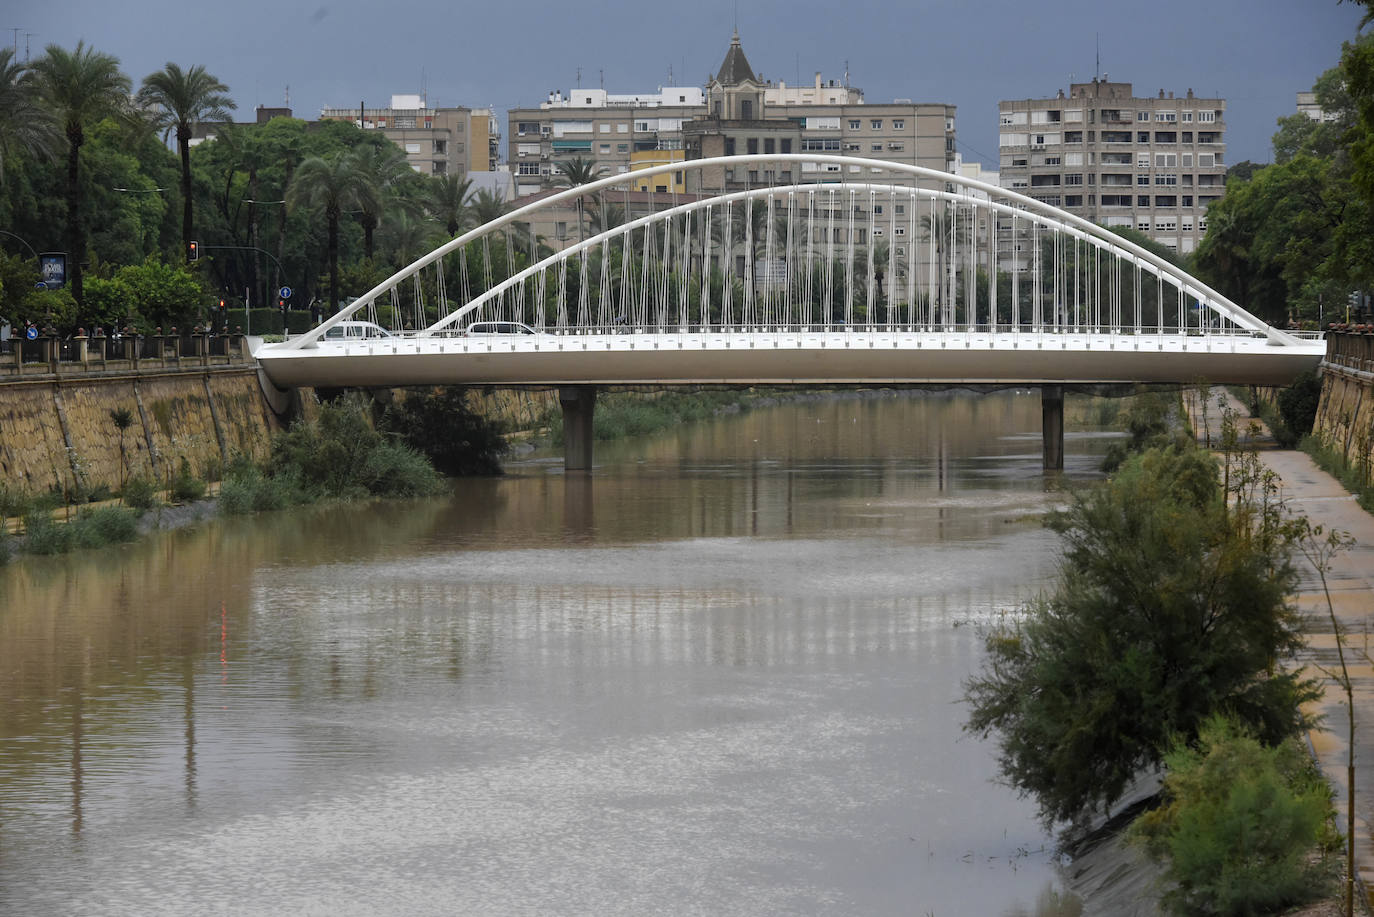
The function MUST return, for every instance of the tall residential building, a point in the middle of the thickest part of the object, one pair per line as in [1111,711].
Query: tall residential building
[1102,153]
[436,141]
[739,111]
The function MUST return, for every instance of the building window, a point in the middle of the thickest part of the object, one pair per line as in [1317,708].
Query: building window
[898,124]
[1166,178]
[1187,117]
[441,148]
[439,168]
[1166,200]
[1073,136]
[1074,178]
[855,124]
[622,128]
[876,148]
[604,128]
[729,146]
[622,148]
[528,168]
[412,147]
[746,110]
[1142,116]
[642,126]
[751,145]
[1142,179]
[1207,116]
[1073,200]
[605,147]
[901,209]
[1187,136]
[768,144]
[876,124]
[560,231]
[1142,200]
[526,127]
[1142,137]
[1166,137]
[1166,116]
[1187,200]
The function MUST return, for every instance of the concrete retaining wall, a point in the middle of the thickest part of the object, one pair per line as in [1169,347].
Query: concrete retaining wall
[57,434]
[1345,416]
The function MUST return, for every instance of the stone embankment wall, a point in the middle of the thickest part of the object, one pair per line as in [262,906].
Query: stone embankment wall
[1345,416]
[59,435]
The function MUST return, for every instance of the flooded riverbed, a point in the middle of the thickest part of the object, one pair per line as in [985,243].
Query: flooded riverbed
[719,675]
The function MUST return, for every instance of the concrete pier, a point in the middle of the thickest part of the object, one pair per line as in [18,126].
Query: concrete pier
[1052,427]
[579,403]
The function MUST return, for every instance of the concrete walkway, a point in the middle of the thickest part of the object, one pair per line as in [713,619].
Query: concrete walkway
[1311,492]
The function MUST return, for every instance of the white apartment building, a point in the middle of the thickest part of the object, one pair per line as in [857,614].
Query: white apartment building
[1151,163]
[436,141]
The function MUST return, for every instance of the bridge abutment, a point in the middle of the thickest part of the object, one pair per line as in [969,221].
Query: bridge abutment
[1052,426]
[578,403]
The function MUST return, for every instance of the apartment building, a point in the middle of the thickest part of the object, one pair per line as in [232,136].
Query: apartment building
[738,111]
[436,141]
[1101,152]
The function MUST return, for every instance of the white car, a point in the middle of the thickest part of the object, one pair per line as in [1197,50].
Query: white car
[477,329]
[354,332]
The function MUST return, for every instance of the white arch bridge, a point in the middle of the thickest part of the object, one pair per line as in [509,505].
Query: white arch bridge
[796,270]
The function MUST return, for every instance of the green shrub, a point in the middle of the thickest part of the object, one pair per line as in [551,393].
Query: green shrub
[14,503]
[247,490]
[104,525]
[4,547]
[393,470]
[1298,406]
[1240,825]
[439,425]
[342,455]
[45,535]
[140,492]
[186,487]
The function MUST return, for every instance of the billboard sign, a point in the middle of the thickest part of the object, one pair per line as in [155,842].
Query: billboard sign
[52,267]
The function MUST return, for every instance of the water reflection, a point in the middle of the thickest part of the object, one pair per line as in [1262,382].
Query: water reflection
[720,669]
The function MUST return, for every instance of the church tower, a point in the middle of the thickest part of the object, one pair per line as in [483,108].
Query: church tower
[735,94]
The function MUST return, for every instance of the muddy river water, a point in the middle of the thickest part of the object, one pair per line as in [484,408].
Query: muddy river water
[719,675]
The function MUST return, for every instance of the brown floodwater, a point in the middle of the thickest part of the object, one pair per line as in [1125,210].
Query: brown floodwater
[718,675]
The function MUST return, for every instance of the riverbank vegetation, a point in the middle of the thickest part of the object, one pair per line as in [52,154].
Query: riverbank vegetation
[353,449]
[1160,650]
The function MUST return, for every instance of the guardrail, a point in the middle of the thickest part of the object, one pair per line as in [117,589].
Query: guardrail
[1351,346]
[50,355]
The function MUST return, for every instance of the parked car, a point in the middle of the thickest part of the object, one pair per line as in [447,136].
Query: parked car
[353,332]
[485,328]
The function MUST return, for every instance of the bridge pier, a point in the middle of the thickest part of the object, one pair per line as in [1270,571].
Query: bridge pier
[578,403]
[1052,426]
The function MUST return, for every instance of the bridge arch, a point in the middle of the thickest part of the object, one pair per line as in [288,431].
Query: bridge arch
[960,243]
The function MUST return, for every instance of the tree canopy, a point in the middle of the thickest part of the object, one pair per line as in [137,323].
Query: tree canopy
[1172,605]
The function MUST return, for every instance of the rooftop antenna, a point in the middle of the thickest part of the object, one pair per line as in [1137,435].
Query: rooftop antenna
[287,99]
[1097,61]
[16,32]
[27,36]
[846,74]
[603,79]
[579,77]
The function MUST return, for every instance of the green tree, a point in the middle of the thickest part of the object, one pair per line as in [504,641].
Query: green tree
[1172,605]
[25,125]
[331,183]
[573,173]
[181,100]
[449,201]
[440,425]
[380,166]
[1239,825]
[80,87]
[164,295]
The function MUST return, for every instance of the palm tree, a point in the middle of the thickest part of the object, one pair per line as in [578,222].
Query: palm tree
[80,87]
[24,123]
[381,166]
[449,201]
[182,100]
[573,173]
[333,183]
[488,205]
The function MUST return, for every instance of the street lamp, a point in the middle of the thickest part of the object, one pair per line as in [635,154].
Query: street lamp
[21,239]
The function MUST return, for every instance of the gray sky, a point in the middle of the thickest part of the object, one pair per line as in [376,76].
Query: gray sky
[1255,53]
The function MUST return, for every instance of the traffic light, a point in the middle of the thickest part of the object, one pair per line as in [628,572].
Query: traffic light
[221,303]
[192,250]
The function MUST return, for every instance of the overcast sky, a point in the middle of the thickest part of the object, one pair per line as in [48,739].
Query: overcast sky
[1254,53]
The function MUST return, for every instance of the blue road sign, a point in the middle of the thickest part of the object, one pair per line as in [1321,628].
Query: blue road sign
[31,332]
[284,292]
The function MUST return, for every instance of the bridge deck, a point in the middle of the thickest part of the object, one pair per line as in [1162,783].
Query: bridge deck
[792,357]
